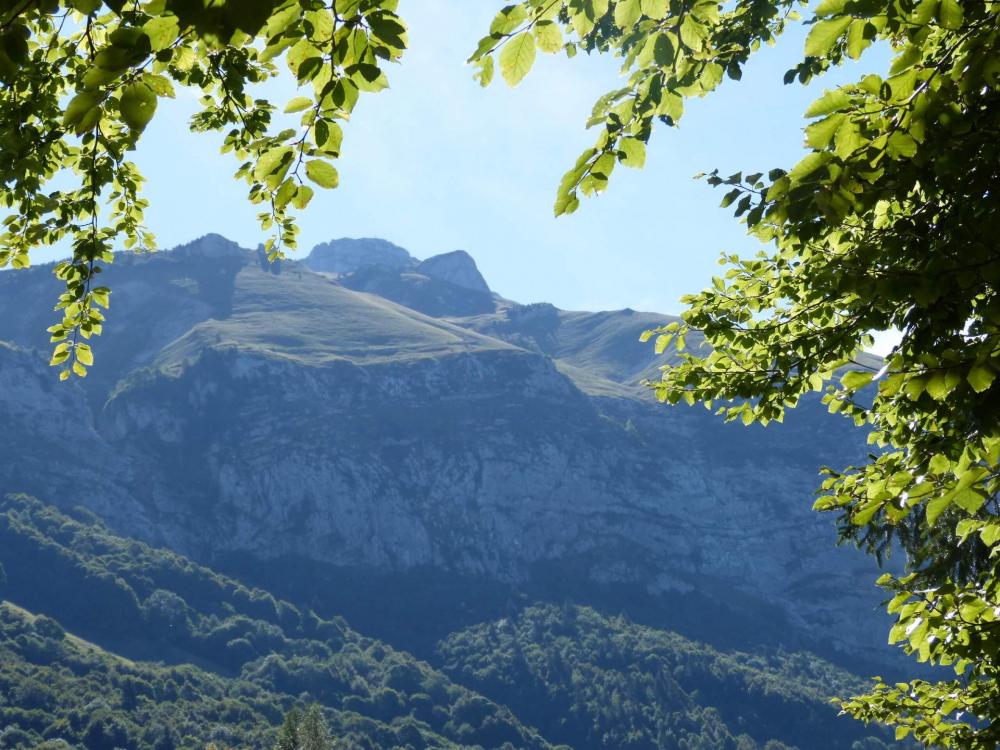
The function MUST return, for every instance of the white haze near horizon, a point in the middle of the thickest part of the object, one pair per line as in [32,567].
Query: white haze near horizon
[436,164]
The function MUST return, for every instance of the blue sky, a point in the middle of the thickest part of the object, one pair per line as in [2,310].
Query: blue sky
[436,164]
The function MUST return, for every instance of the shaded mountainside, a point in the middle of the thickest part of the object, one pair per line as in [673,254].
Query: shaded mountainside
[445,285]
[593,681]
[78,646]
[235,658]
[243,412]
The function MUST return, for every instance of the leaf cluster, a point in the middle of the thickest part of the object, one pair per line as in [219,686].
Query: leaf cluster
[889,222]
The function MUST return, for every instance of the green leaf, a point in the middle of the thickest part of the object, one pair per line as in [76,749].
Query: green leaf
[937,506]
[603,166]
[322,173]
[595,9]
[847,139]
[84,355]
[516,58]
[808,165]
[627,12]
[328,136]
[298,104]
[655,9]
[302,197]
[389,29]
[969,500]
[831,101]
[633,152]
[830,7]
[864,513]
[901,145]
[824,35]
[950,14]
[86,6]
[101,296]
[939,464]
[693,34]
[285,193]
[274,161]
[990,534]
[566,203]
[162,31]
[981,377]
[939,385]
[819,134]
[856,41]
[161,85]
[137,106]
[548,37]
[508,19]
[83,111]
[368,77]
[855,380]
[484,71]
[663,50]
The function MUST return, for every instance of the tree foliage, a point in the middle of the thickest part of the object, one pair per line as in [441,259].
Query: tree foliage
[589,680]
[304,730]
[238,660]
[889,222]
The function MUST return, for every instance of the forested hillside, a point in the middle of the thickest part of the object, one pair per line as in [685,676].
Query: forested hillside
[595,681]
[177,655]
[152,605]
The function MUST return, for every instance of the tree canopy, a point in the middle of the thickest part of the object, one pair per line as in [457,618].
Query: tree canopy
[889,222]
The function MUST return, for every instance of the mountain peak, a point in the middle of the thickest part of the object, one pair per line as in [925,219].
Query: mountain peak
[456,268]
[349,254]
[211,246]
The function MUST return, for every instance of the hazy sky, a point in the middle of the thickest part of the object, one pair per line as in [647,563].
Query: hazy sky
[436,164]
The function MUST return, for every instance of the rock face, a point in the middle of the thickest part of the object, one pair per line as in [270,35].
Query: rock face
[233,409]
[426,294]
[456,268]
[347,255]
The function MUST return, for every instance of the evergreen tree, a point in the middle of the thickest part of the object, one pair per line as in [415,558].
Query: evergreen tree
[289,736]
[313,732]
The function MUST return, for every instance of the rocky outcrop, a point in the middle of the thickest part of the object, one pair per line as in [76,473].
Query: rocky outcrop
[456,268]
[348,255]
[422,293]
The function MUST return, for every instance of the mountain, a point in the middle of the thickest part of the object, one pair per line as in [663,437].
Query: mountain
[277,423]
[441,286]
[123,645]
[348,255]
[456,268]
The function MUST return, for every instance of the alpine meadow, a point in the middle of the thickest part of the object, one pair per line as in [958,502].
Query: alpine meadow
[538,555]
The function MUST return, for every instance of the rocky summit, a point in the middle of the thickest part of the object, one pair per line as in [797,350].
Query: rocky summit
[363,411]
